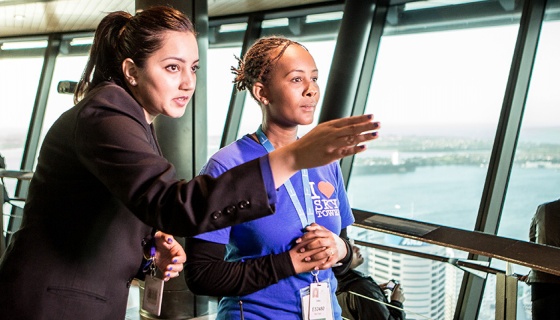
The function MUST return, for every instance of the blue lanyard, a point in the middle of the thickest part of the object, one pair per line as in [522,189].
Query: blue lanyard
[305,221]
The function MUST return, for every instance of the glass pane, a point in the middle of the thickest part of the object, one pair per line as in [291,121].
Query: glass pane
[535,176]
[220,86]
[17,97]
[438,95]
[431,286]
[67,68]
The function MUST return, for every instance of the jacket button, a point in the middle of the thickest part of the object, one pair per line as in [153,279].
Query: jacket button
[129,282]
[216,215]
[244,204]
[230,210]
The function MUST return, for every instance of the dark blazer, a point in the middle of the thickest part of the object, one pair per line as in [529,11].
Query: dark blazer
[545,229]
[99,189]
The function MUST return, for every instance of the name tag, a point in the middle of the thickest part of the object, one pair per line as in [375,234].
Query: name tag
[153,294]
[316,302]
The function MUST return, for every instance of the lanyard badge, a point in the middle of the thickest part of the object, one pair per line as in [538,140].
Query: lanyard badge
[153,287]
[316,302]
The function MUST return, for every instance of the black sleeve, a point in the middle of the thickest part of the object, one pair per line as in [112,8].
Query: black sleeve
[397,314]
[347,260]
[207,273]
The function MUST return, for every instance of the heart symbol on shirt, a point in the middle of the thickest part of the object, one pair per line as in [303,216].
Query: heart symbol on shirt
[326,188]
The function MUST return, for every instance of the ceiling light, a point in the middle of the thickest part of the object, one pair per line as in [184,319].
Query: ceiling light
[24,45]
[81,41]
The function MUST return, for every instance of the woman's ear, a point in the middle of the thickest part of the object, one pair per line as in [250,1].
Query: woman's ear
[130,71]
[259,92]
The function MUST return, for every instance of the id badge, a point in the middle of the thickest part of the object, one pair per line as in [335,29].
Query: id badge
[153,294]
[316,302]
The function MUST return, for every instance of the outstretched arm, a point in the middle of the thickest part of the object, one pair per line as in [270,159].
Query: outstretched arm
[327,142]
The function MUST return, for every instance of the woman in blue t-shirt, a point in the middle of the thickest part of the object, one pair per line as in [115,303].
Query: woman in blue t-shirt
[266,267]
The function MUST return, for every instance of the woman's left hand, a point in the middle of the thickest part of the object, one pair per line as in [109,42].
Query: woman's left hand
[317,236]
[170,255]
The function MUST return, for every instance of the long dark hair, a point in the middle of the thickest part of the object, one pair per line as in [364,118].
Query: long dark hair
[120,36]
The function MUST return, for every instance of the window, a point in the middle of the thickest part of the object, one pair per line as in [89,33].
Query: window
[438,93]
[23,62]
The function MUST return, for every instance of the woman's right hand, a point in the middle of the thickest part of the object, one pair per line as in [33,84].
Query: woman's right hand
[301,260]
[327,142]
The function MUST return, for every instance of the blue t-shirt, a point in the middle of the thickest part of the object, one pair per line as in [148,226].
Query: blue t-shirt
[277,233]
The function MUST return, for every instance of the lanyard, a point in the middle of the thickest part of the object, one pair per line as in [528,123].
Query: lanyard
[305,221]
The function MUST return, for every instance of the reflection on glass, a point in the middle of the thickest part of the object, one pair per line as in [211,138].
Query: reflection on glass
[67,68]
[438,97]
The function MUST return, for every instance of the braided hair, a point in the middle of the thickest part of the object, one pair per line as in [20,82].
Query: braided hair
[258,62]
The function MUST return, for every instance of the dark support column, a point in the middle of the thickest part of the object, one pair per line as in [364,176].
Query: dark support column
[353,64]
[184,143]
[348,57]
[237,101]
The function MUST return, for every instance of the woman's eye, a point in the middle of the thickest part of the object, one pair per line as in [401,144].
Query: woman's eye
[173,67]
[195,68]
[297,79]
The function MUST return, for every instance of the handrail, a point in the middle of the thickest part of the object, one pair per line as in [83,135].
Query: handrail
[14,174]
[459,263]
[535,256]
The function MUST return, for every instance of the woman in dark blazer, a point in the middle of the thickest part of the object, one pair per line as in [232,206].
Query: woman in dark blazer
[101,185]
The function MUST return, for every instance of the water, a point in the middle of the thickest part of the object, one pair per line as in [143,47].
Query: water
[451,195]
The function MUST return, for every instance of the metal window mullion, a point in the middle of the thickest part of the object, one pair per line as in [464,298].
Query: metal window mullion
[501,159]
[237,101]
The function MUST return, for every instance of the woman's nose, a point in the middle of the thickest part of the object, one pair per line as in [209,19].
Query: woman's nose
[188,81]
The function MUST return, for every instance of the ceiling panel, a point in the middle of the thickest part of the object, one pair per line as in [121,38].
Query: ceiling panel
[26,17]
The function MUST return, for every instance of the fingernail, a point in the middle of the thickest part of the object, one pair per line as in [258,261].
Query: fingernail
[170,240]
[370,116]
[170,268]
[168,275]
[174,260]
[362,146]
[374,134]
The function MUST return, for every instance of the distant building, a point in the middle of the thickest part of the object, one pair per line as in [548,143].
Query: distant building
[430,286]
